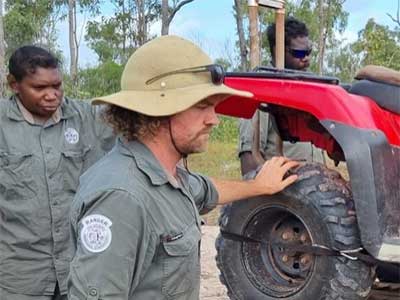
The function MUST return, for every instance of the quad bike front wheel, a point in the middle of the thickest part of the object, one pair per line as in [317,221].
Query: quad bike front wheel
[316,210]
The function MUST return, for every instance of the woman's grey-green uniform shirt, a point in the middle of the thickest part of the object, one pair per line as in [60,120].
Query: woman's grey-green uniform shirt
[136,232]
[39,171]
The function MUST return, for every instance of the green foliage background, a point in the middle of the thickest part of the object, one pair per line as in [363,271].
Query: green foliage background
[115,36]
[95,81]
[227,131]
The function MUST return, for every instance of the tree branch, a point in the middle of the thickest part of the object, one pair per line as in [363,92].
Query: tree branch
[177,8]
[397,20]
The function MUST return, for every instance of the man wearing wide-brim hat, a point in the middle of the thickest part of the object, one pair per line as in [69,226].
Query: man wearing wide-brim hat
[135,218]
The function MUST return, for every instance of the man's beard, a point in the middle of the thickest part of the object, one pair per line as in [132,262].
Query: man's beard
[197,144]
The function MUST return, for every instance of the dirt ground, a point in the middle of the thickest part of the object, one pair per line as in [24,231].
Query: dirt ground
[211,288]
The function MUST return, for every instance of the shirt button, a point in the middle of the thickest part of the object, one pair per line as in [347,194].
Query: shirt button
[93,292]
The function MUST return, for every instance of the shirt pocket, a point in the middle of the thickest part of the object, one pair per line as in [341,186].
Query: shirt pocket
[72,166]
[181,264]
[17,180]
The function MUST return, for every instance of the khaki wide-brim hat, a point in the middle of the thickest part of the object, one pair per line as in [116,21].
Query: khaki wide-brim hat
[169,94]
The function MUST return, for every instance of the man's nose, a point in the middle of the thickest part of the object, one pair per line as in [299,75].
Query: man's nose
[212,118]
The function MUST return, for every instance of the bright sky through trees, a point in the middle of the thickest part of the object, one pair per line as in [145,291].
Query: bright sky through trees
[210,23]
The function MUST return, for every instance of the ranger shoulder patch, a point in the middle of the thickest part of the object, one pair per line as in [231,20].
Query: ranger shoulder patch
[96,233]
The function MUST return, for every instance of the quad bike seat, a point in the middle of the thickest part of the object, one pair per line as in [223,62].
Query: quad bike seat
[380,84]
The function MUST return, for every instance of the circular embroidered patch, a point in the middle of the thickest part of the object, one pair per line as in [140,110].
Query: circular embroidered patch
[96,233]
[71,135]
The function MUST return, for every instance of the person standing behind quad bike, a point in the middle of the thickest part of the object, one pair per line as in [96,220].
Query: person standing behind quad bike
[46,143]
[297,57]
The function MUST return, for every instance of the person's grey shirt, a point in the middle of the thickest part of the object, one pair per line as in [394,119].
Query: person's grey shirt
[39,170]
[135,230]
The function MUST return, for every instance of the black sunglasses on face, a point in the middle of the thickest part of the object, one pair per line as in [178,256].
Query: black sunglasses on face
[299,53]
[217,73]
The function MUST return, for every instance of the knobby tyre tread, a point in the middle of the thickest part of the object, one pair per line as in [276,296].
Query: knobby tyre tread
[320,197]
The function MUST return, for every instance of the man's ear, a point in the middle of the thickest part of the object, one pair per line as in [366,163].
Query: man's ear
[13,83]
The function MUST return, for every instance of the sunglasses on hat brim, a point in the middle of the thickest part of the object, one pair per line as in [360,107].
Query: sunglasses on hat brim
[217,73]
[299,53]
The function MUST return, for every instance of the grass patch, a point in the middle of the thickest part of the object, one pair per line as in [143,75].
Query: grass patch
[219,161]
[227,130]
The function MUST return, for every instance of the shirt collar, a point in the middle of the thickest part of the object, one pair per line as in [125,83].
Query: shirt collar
[148,163]
[31,119]
[17,112]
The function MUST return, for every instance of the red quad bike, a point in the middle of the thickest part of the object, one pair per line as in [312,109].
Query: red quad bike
[322,237]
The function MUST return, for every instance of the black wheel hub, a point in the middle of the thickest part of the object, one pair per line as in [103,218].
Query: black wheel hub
[287,261]
[277,269]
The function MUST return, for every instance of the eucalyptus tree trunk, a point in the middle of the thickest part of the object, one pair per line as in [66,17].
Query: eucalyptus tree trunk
[240,31]
[254,37]
[2,55]
[164,17]
[73,42]
[142,23]
[324,16]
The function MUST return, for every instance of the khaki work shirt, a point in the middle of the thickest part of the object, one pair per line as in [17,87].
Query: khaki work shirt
[268,142]
[137,235]
[39,170]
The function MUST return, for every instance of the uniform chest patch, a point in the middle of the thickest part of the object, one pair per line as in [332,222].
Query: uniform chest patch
[71,135]
[96,233]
